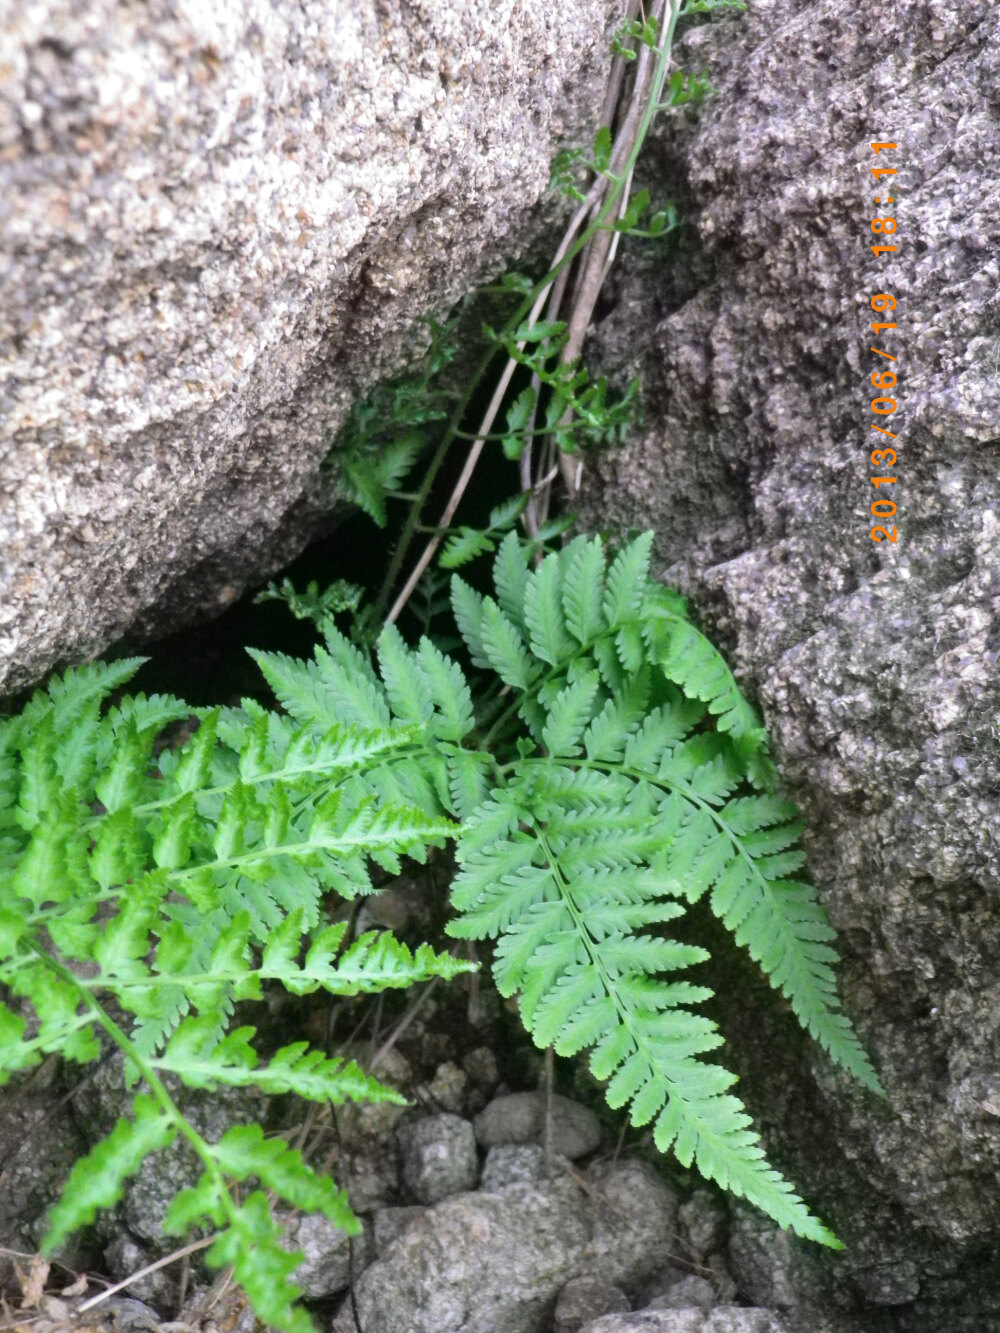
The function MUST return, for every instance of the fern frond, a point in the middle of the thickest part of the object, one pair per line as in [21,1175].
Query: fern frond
[510,574]
[189,878]
[251,1246]
[97,1179]
[543,613]
[583,582]
[505,648]
[626,584]
[692,662]
[464,546]
[582,854]
[582,982]
[196,1054]
[243,1153]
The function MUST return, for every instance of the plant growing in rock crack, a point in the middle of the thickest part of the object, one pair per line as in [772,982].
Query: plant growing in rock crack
[595,767]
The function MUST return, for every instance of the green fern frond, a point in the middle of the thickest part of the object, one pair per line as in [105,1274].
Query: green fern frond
[251,1246]
[97,1179]
[614,787]
[581,854]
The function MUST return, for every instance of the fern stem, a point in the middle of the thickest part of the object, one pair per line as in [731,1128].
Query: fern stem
[156,1085]
[430,476]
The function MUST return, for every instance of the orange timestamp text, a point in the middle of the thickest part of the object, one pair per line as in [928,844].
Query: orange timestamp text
[886,403]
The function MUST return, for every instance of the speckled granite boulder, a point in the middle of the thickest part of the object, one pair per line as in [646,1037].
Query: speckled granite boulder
[217,224]
[876,665]
[725,1319]
[495,1262]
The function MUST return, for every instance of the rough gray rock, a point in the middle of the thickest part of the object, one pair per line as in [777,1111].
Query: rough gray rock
[39,1142]
[488,1261]
[448,1089]
[328,1263]
[388,1225]
[723,1319]
[125,1256]
[439,1157]
[129,1315]
[689,1291]
[702,1220]
[583,1299]
[876,664]
[513,1164]
[217,224]
[519,1117]
[481,1067]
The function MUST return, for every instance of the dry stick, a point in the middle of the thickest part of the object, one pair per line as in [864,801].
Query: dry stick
[449,511]
[397,560]
[555,298]
[182,1285]
[589,289]
[403,1024]
[596,258]
[617,235]
[144,1272]
[593,197]
[496,402]
[614,88]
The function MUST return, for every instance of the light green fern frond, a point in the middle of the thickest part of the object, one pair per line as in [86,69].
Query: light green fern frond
[607,784]
[634,805]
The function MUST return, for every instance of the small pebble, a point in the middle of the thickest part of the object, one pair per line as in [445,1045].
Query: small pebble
[519,1117]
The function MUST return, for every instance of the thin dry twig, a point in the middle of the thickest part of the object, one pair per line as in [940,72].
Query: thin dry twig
[202,1244]
[591,270]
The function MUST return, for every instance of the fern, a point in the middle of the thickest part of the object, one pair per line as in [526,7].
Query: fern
[597,769]
[619,777]
[632,807]
[201,879]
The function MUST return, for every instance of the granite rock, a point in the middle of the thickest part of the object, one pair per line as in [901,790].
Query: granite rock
[439,1157]
[218,224]
[723,1319]
[388,1224]
[584,1299]
[330,1258]
[513,1164]
[481,1262]
[519,1117]
[688,1292]
[702,1219]
[875,663]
